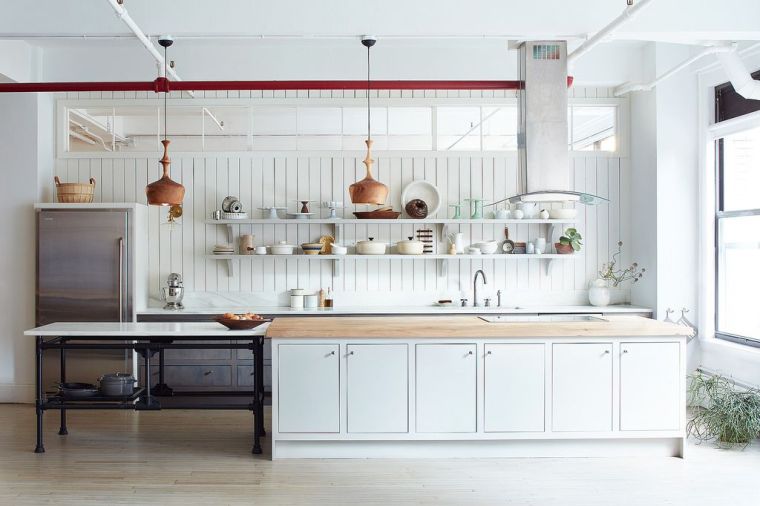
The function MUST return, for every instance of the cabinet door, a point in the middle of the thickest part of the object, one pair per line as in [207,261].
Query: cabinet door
[650,391]
[514,388]
[446,388]
[308,387]
[582,387]
[377,387]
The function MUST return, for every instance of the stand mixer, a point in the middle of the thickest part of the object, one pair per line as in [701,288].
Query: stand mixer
[173,292]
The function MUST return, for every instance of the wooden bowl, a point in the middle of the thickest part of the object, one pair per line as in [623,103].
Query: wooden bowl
[380,214]
[242,324]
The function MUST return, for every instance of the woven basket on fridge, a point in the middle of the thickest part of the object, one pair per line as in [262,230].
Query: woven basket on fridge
[75,193]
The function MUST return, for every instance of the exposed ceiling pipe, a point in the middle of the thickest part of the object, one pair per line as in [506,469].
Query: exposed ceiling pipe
[627,15]
[629,87]
[740,77]
[163,85]
[122,14]
[219,124]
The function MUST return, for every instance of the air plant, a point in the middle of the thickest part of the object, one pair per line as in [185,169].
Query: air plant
[722,412]
[610,272]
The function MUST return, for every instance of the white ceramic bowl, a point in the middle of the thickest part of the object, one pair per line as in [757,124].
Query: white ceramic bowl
[563,214]
[424,191]
[281,248]
[339,250]
[472,250]
[487,247]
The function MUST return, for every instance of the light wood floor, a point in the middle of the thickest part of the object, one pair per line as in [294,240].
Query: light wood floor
[192,457]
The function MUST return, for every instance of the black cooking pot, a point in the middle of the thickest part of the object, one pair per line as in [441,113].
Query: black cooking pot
[77,390]
[117,384]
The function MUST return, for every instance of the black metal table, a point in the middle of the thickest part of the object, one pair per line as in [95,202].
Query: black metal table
[147,339]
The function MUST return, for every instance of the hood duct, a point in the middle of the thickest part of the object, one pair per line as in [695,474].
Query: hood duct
[544,163]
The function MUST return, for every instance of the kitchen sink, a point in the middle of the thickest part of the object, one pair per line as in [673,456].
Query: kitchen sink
[517,318]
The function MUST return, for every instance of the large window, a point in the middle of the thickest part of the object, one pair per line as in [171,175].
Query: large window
[738,236]
[239,127]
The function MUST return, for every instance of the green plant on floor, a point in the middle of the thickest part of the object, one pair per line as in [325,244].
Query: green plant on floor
[722,412]
[572,238]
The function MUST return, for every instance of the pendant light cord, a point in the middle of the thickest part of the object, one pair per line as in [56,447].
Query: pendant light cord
[369,113]
[165,93]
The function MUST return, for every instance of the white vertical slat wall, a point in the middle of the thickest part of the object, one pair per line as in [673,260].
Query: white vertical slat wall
[278,178]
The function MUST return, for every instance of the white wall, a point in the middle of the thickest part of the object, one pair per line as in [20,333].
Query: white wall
[279,177]
[25,140]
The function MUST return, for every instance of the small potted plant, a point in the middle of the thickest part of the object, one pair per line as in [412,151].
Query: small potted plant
[569,243]
[611,277]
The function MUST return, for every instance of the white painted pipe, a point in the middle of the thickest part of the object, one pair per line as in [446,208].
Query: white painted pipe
[740,77]
[629,87]
[628,14]
[122,14]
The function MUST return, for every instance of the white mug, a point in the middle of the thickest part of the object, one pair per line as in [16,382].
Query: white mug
[540,245]
[502,214]
[517,214]
[260,250]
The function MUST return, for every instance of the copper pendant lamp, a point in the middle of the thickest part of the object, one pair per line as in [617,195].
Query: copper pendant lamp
[165,191]
[368,190]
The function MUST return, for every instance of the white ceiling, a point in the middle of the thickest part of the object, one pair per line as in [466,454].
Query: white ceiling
[664,20]
[300,39]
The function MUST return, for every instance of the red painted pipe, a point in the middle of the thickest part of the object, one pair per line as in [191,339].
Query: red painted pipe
[162,84]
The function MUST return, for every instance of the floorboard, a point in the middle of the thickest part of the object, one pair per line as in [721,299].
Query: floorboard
[191,457]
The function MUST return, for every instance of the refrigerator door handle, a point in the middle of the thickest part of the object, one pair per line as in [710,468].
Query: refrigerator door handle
[121,279]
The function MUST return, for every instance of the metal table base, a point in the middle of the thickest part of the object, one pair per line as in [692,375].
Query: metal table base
[144,398]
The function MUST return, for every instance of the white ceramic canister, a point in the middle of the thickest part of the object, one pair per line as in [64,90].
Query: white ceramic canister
[310,301]
[296,298]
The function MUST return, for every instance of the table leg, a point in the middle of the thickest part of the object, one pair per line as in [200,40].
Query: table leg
[38,405]
[260,382]
[162,389]
[63,430]
[258,408]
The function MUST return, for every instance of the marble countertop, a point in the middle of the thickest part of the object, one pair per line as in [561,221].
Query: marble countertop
[108,329]
[400,310]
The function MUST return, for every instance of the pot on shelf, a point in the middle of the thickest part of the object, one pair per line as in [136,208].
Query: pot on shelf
[370,247]
[117,384]
[563,249]
[410,247]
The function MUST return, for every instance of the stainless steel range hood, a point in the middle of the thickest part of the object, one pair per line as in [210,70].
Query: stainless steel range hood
[544,164]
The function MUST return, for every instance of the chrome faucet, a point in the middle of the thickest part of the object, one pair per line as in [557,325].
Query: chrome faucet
[475,302]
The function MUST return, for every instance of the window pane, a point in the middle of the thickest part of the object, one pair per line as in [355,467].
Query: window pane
[738,278]
[355,121]
[105,129]
[741,171]
[593,128]
[224,128]
[500,128]
[410,121]
[319,120]
[458,128]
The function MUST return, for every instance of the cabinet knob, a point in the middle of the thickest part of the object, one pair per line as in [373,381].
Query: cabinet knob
[625,351]
[469,352]
[606,352]
[350,352]
[332,353]
[207,373]
[488,352]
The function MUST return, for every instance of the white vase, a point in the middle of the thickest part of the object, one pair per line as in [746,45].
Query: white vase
[599,293]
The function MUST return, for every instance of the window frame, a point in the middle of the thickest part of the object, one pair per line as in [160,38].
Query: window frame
[64,104]
[738,125]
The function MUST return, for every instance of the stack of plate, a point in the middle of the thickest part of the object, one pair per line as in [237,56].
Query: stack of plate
[224,249]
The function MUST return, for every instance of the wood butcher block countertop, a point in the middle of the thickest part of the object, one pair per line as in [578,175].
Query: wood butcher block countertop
[416,327]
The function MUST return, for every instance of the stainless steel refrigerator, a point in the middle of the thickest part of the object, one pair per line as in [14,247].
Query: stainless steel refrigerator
[87,263]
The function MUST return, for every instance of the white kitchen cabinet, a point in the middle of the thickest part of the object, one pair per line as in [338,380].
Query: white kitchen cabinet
[582,387]
[309,388]
[377,387]
[514,387]
[650,386]
[446,388]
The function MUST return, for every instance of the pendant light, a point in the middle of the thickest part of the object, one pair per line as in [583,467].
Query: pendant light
[165,192]
[368,190]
